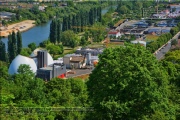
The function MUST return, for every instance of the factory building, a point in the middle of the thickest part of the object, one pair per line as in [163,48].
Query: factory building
[18,60]
[52,71]
[74,61]
[84,51]
[90,54]
[41,63]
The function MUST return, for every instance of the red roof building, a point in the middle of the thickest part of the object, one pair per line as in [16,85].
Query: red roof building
[114,34]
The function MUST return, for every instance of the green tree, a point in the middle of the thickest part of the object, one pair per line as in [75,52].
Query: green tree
[59,31]
[32,46]
[174,57]
[26,52]
[53,31]
[174,42]
[35,9]
[2,51]
[28,88]
[129,83]
[4,23]
[19,42]
[174,30]
[55,49]
[83,41]
[14,45]
[69,38]
[68,94]
[10,48]
[43,17]
[70,3]
[123,10]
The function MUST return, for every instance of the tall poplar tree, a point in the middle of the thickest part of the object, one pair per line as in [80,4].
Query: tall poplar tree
[74,23]
[14,45]
[2,51]
[19,42]
[58,31]
[10,48]
[53,31]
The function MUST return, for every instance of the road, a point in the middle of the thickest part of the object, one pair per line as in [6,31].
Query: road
[165,48]
[160,54]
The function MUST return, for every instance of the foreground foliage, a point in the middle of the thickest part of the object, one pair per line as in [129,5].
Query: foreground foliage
[129,83]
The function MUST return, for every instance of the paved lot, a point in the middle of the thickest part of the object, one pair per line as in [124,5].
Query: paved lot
[79,72]
[126,24]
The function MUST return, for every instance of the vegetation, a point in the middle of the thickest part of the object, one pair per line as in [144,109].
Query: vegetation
[2,52]
[151,37]
[55,49]
[30,97]
[129,83]
[69,38]
[14,45]
[32,46]
[164,38]
[133,9]
[134,85]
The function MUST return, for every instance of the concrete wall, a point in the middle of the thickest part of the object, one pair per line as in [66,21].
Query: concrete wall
[66,61]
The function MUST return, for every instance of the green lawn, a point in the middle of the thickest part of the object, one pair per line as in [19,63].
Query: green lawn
[151,37]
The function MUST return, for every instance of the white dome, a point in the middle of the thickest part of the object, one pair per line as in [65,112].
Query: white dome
[49,57]
[21,60]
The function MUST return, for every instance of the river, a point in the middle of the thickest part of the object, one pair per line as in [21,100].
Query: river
[37,34]
[41,32]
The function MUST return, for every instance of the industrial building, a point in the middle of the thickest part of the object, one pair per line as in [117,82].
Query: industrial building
[90,54]
[74,61]
[52,71]
[41,63]
[18,60]
[84,51]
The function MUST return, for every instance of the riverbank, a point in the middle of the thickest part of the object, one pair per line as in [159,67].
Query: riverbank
[21,26]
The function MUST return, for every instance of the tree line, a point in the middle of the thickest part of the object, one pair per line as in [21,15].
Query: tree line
[14,47]
[64,29]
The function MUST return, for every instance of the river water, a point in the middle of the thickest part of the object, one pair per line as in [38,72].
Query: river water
[40,33]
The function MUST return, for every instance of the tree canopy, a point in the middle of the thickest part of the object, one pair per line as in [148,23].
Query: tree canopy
[129,83]
[69,38]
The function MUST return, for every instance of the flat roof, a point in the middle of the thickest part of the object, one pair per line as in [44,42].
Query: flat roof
[47,68]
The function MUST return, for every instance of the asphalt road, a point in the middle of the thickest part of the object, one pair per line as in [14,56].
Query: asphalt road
[165,48]
[160,54]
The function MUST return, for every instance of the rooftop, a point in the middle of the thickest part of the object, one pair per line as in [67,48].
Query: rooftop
[77,58]
[112,32]
[3,13]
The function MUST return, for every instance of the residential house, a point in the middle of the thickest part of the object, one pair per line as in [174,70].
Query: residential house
[6,15]
[114,34]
